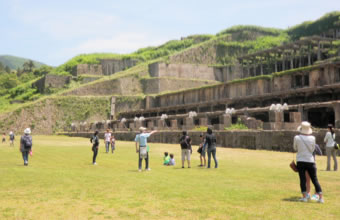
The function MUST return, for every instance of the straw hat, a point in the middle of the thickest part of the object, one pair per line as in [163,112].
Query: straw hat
[27,131]
[142,129]
[305,128]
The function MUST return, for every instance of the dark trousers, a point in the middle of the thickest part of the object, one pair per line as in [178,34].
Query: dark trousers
[25,155]
[95,152]
[213,153]
[146,161]
[311,169]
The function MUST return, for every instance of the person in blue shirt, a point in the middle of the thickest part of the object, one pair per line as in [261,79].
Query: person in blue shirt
[141,148]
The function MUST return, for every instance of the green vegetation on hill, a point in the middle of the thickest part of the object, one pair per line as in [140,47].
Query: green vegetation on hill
[251,29]
[309,28]
[142,55]
[14,62]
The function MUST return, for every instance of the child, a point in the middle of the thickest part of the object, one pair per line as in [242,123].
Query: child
[172,160]
[113,143]
[166,158]
[201,151]
[95,144]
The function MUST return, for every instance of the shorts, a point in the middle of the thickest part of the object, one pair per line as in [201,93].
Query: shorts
[186,154]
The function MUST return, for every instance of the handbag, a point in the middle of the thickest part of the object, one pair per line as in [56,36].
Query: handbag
[293,166]
[336,145]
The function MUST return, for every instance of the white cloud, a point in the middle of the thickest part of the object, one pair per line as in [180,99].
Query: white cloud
[120,43]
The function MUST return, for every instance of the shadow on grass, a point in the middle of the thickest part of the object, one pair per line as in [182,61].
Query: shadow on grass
[292,199]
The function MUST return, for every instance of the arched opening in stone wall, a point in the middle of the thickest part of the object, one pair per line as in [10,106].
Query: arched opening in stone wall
[321,117]
[214,120]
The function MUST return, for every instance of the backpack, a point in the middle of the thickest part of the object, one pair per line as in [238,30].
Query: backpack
[184,143]
[27,141]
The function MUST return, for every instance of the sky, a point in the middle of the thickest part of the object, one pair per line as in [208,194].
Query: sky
[52,32]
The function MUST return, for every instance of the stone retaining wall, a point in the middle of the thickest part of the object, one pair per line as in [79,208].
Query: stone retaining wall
[256,140]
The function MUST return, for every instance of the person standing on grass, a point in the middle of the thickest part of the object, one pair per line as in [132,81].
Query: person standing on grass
[185,143]
[11,138]
[330,150]
[315,197]
[210,141]
[141,148]
[201,151]
[113,143]
[26,145]
[3,138]
[107,137]
[95,145]
[304,144]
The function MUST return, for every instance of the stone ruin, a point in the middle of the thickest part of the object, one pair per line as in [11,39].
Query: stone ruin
[301,74]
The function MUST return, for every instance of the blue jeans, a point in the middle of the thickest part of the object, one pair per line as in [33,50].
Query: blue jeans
[213,152]
[107,146]
[25,156]
[140,161]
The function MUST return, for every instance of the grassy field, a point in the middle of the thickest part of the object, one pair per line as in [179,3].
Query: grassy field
[61,183]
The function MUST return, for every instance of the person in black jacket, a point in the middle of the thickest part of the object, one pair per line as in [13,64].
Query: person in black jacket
[210,141]
[186,148]
[95,141]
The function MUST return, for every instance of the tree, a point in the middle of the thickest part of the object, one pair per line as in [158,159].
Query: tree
[7,69]
[28,66]
[2,67]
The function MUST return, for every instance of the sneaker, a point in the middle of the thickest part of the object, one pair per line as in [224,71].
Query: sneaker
[148,169]
[94,163]
[200,165]
[321,200]
[303,199]
[139,170]
[189,167]
[182,167]
[315,197]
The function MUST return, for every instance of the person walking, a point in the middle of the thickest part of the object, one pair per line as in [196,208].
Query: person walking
[141,147]
[186,148]
[26,145]
[113,143]
[95,145]
[107,137]
[11,138]
[330,150]
[304,144]
[210,141]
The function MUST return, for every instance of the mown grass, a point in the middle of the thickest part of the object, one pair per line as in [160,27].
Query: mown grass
[61,183]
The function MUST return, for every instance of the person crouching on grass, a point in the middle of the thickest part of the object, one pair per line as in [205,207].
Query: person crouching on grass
[166,159]
[172,160]
[141,148]
[95,145]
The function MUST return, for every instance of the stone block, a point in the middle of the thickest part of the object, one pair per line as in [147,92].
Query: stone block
[295,117]
[276,116]
[174,125]
[225,120]
[203,121]
[150,125]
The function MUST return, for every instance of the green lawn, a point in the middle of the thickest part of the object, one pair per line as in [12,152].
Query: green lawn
[61,183]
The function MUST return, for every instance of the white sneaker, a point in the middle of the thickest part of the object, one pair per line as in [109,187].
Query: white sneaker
[94,163]
[148,169]
[321,200]
[315,197]
[304,199]
[139,170]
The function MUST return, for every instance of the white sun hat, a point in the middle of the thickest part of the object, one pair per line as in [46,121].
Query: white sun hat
[27,131]
[305,128]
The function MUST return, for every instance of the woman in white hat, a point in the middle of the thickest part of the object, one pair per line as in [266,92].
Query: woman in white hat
[26,145]
[304,144]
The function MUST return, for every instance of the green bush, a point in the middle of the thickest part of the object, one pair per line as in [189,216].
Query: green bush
[238,126]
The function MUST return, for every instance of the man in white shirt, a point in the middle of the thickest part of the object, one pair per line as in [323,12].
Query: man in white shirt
[107,137]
